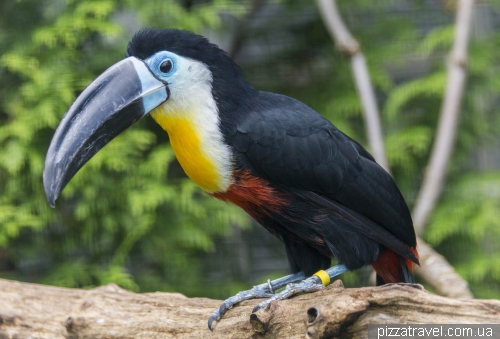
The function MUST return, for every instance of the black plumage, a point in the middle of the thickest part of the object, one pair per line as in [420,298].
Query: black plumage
[336,190]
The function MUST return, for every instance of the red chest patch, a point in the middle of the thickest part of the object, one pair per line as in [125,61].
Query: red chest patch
[253,194]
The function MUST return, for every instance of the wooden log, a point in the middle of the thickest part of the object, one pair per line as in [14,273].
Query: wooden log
[37,311]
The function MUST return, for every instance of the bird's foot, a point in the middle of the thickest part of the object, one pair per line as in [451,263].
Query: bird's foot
[264,290]
[295,283]
[315,283]
[259,291]
[308,285]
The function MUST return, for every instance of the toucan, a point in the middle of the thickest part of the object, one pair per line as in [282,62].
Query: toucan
[312,186]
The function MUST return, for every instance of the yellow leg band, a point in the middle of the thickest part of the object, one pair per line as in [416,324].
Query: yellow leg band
[323,276]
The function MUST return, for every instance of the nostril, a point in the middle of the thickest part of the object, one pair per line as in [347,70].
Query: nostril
[312,315]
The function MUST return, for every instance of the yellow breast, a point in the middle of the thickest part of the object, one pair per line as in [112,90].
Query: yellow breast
[186,141]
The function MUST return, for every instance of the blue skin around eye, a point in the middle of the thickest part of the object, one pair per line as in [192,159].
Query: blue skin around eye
[155,61]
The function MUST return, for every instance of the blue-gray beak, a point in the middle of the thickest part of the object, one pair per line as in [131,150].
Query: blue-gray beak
[114,101]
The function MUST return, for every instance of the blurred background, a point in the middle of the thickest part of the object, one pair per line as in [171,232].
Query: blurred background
[132,217]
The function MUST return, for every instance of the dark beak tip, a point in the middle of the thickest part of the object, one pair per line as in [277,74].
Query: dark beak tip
[51,198]
[50,193]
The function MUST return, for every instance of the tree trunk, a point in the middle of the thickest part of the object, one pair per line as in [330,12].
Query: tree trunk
[36,311]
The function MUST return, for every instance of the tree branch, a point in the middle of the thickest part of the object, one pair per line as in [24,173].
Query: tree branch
[348,45]
[434,269]
[447,126]
[37,311]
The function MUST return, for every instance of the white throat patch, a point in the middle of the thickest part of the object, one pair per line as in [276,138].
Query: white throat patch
[191,118]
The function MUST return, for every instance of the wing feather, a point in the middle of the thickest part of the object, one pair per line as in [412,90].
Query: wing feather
[294,147]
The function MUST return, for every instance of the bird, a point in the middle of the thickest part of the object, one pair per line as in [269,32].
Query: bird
[309,184]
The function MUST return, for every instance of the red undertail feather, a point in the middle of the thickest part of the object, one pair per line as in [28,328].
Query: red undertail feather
[388,265]
[253,194]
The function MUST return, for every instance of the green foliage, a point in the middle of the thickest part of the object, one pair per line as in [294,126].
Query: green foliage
[438,39]
[430,86]
[77,273]
[185,14]
[468,216]
[404,147]
[470,211]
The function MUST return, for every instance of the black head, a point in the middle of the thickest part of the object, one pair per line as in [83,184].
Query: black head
[229,87]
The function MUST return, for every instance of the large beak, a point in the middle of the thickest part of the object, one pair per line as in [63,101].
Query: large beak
[114,101]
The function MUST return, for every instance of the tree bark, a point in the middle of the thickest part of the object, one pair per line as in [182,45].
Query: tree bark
[37,311]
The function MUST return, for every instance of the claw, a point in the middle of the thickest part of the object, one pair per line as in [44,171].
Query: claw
[259,306]
[214,317]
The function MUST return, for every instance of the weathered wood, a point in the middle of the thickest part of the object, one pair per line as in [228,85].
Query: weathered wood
[37,311]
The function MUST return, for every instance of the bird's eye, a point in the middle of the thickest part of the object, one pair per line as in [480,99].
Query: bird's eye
[166,66]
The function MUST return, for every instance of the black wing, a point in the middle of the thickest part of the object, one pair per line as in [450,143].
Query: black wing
[294,147]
